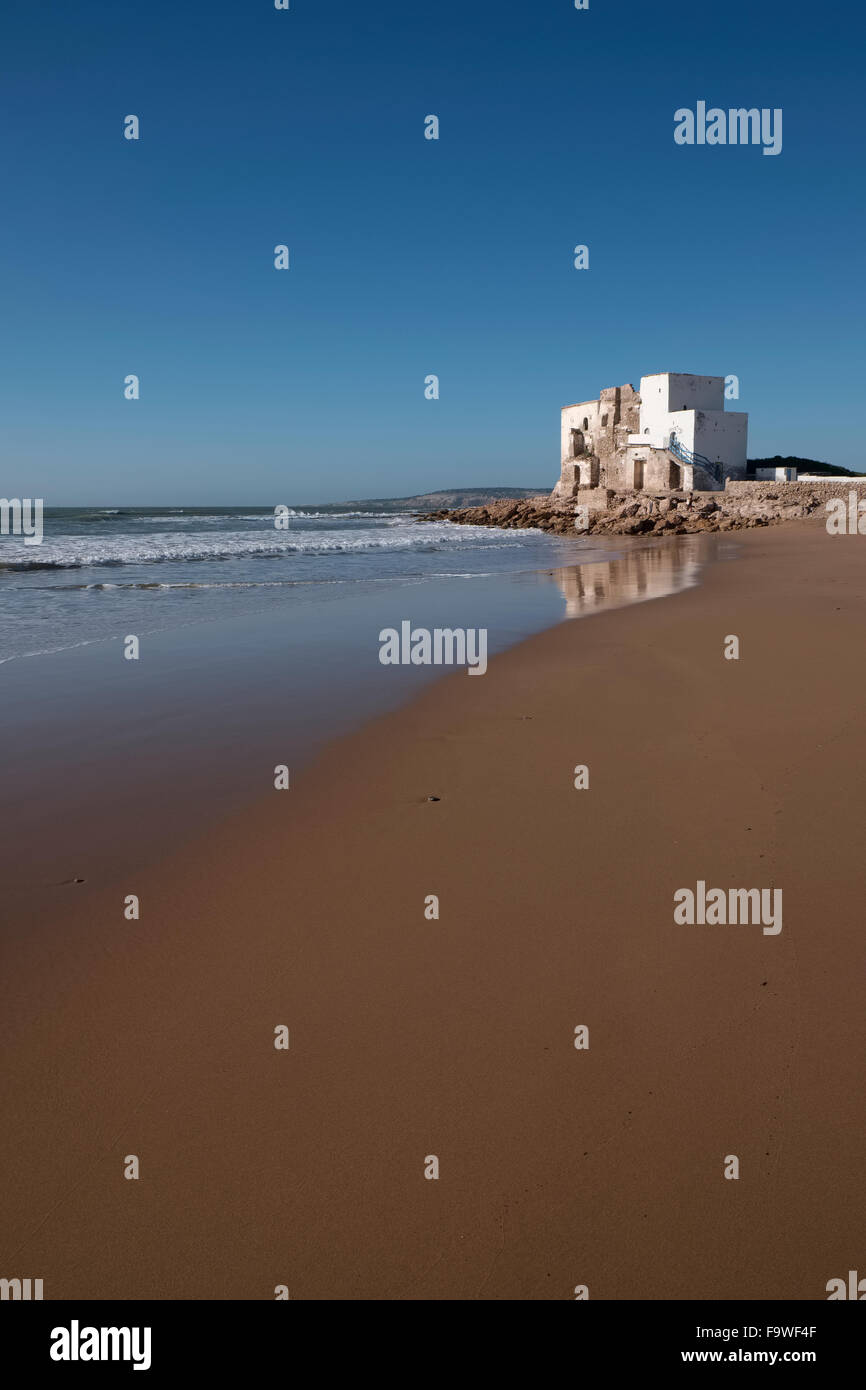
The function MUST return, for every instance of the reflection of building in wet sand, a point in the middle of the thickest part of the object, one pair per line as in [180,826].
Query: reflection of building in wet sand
[653,572]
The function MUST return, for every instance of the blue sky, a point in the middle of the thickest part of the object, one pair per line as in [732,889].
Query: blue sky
[410,256]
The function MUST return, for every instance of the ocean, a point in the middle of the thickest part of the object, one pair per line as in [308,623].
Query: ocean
[100,570]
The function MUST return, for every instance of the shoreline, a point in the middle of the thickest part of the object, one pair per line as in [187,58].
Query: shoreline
[453,1037]
[213,705]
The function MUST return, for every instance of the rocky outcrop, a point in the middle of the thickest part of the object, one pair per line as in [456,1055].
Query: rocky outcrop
[641,513]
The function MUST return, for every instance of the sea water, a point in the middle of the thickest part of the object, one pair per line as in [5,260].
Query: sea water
[102,572]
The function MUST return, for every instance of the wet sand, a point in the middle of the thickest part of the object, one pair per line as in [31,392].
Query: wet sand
[109,764]
[455,1037]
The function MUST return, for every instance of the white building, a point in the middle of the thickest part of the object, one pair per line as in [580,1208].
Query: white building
[782,475]
[691,410]
[673,433]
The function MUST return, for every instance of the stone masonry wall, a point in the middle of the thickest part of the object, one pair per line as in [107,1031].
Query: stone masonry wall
[792,492]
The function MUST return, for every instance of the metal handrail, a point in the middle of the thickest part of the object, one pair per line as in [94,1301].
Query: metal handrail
[701,460]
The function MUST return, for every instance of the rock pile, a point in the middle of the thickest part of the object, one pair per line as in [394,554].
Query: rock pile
[639,513]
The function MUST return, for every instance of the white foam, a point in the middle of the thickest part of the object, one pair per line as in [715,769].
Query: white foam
[78,552]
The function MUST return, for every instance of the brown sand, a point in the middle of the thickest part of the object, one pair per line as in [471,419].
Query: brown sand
[454,1037]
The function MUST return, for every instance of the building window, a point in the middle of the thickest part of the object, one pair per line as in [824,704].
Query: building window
[585,423]
[603,421]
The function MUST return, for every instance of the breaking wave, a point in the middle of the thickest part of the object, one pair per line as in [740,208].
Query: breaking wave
[82,552]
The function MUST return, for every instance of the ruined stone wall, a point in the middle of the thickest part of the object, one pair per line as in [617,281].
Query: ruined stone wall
[794,492]
[628,414]
[579,424]
[593,427]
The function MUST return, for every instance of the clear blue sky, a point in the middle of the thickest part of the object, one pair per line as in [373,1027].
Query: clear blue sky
[411,256]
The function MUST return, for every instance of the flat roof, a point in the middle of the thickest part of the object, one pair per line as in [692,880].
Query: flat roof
[700,375]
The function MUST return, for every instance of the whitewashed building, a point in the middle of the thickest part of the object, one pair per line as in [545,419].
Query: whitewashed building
[673,433]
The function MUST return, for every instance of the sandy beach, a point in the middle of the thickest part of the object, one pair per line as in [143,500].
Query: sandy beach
[453,1037]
